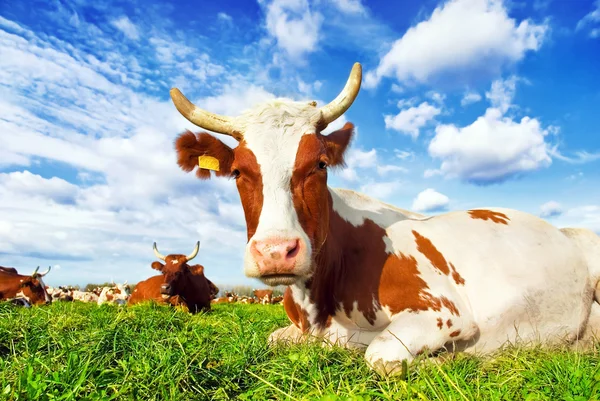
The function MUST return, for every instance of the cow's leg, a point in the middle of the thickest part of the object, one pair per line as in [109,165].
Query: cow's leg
[411,334]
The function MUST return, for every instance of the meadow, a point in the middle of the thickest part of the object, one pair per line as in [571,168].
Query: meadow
[77,351]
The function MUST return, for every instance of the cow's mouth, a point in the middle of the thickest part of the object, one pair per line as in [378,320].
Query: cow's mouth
[274,280]
[165,296]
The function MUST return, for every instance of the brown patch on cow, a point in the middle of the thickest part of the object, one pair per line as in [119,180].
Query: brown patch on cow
[456,276]
[250,186]
[109,296]
[337,142]
[309,189]
[296,314]
[440,323]
[455,333]
[426,247]
[116,290]
[449,323]
[484,214]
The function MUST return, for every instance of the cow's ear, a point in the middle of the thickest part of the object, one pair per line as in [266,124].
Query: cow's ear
[190,146]
[157,266]
[197,269]
[336,144]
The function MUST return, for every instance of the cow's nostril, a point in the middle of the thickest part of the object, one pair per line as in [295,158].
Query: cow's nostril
[293,250]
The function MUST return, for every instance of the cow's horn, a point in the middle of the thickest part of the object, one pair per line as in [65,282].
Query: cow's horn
[203,118]
[194,252]
[35,271]
[44,273]
[344,100]
[158,254]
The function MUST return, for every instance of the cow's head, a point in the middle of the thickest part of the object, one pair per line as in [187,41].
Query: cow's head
[280,167]
[176,272]
[34,289]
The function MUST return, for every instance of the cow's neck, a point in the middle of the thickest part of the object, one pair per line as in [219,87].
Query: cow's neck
[346,274]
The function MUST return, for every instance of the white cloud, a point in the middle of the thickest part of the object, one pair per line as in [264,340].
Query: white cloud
[459,35]
[494,147]
[294,25]
[390,168]
[30,184]
[224,17]
[502,93]
[410,121]
[470,97]
[430,200]
[491,149]
[591,21]
[551,209]
[587,216]
[128,28]
[381,190]
[350,6]
[579,157]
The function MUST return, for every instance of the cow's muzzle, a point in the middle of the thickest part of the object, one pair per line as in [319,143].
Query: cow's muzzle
[166,290]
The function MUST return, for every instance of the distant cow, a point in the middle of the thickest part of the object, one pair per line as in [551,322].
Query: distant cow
[179,283]
[264,296]
[118,294]
[28,290]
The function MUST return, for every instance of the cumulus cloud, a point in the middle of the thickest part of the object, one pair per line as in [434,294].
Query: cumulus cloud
[128,28]
[410,121]
[469,98]
[382,189]
[294,25]
[494,147]
[430,200]
[591,22]
[459,35]
[551,209]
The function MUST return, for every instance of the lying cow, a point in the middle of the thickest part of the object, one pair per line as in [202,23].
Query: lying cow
[363,273]
[23,290]
[117,294]
[263,296]
[179,283]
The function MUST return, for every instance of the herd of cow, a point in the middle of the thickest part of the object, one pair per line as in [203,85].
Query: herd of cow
[179,284]
[363,273]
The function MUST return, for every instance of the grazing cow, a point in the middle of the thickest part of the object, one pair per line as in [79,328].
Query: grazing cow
[363,273]
[118,294]
[264,296]
[85,296]
[25,290]
[179,283]
[277,300]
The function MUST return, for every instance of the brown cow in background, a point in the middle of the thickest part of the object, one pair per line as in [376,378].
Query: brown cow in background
[179,283]
[264,296]
[28,290]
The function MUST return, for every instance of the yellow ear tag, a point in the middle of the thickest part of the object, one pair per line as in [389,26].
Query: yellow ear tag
[208,163]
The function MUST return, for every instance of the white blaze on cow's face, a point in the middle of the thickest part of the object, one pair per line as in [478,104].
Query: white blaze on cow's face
[278,250]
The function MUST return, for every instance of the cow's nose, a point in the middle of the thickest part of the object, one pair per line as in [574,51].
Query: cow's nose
[165,289]
[275,256]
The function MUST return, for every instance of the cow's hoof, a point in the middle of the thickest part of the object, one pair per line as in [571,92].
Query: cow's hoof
[390,368]
[290,334]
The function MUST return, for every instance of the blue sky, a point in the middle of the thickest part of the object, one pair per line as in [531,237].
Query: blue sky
[465,103]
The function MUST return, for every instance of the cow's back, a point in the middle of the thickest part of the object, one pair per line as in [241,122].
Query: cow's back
[146,290]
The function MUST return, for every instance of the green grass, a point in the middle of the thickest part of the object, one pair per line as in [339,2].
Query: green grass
[76,351]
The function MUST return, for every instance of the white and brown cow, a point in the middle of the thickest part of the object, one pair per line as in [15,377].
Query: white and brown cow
[363,273]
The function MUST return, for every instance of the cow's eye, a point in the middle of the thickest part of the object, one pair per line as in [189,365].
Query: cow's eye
[322,165]
[235,173]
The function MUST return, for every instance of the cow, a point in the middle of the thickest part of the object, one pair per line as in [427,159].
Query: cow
[363,273]
[178,284]
[263,296]
[117,294]
[21,289]
[85,296]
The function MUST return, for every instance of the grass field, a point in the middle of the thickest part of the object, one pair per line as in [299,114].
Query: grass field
[76,351]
